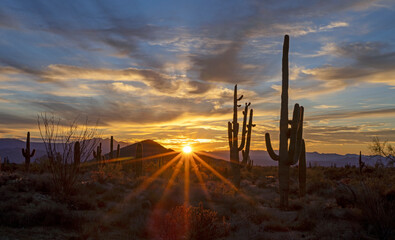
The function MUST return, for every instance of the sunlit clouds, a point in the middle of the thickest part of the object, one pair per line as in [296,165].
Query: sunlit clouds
[166,71]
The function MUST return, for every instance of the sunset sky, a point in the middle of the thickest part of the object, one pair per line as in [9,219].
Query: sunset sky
[165,70]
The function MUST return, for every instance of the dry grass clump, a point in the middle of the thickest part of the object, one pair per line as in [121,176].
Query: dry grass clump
[377,211]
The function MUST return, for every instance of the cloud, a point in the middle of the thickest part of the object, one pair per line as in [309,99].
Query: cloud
[221,67]
[326,106]
[12,119]
[333,25]
[352,114]
[369,63]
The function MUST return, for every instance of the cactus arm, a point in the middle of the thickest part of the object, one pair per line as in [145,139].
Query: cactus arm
[299,138]
[24,152]
[244,129]
[294,133]
[244,161]
[33,152]
[118,151]
[269,148]
[248,141]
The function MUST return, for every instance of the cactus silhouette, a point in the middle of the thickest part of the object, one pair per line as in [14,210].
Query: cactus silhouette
[26,152]
[287,157]
[97,154]
[139,163]
[111,147]
[233,130]
[118,151]
[77,154]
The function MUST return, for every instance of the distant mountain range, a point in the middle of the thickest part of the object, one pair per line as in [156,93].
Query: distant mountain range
[11,148]
[262,158]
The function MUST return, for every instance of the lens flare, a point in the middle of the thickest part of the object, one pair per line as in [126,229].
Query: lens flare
[187,149]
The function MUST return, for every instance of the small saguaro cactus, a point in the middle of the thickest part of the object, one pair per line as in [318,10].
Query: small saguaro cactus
[361,163]
[233,130]
[139,163]
[287,157]
[26,152]
[77,154]
[97,154]
[118,151]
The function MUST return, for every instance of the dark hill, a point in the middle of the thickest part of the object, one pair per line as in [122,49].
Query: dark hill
[150,148]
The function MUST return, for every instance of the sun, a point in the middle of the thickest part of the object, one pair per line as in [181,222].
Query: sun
[187,149]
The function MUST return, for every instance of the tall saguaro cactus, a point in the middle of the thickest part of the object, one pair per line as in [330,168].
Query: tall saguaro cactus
[291,155]
[139,163]
[26,152]
[233,130]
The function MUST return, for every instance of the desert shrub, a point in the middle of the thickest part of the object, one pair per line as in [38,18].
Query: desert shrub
[50,214]
[276,226]
[318,184]
[185,222]
[81,202]
[108,173]
[377,210]
[308,218]
[259,215]
[60,143]
[334,230]
[345,196]
[339,173]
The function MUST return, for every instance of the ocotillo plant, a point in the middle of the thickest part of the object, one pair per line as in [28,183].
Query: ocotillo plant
[77,154]
[233,130]
[246,153]
[97,154]
[26,152]
[361,163]
[139,163]
[287,156]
